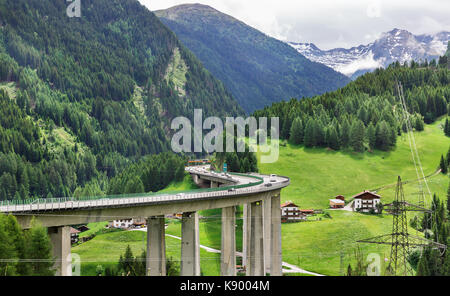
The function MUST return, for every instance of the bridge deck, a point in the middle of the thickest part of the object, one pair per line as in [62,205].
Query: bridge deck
[242,185]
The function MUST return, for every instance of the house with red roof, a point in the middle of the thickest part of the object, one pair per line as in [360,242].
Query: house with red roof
[366,201]
[290,212]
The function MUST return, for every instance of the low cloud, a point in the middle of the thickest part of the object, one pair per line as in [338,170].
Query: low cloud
[364,63]
[330,23]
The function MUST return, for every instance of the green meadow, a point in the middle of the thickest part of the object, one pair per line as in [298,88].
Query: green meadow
[325,246]
[320,174]
[328,246]
[105,250]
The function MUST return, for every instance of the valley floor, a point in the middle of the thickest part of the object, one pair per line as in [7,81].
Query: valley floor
[321,245]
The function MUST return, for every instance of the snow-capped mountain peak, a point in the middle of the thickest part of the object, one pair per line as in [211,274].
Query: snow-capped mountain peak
[395,45]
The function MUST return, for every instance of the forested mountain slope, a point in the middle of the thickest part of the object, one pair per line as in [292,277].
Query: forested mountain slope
[256,68]
[81,97]
[366,114]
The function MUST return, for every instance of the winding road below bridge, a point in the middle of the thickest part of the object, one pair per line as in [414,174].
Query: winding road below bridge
[289,268]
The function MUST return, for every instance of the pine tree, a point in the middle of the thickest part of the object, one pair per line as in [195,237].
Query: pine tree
[39,248]
[446,264]
[443,165]
[357,136]
[434,262]
[371,136]
[332,138]
[349,270]
[16,235]
[297,132]
[419,124]
[447,128]
[140,264]
[286,128]
[309,138]
[7,250]
[319,133]
[134,185]
[172,268]
[383,136]
[448,202]
[448,157]
[129,262]
[345,134]
[422,267]
[245,167]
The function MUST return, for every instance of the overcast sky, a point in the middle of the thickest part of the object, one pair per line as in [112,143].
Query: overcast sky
[330,23]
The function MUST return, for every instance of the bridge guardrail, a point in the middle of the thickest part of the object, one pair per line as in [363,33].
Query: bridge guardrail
[41,203]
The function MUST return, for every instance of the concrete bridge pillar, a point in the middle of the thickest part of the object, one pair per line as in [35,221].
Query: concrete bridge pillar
[267,226]
[61,244]
[190,245]
[214,184]
[256,255]
[156,246]
[194,178]
[228,254]
[245,236]
[276,254]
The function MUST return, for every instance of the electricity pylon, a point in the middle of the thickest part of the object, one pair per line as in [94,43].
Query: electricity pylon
[400,240]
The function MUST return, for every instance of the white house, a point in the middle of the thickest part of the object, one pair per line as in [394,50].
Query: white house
[290,212]
[366,201]
[123,223]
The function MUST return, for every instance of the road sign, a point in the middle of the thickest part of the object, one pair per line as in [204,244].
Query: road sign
[225,167]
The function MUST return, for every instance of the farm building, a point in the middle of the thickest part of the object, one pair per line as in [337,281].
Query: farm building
[291,213]
[82,228]
[74,235]
[340,197]
[366,201]
[307,212]
[337,203]
[127,223]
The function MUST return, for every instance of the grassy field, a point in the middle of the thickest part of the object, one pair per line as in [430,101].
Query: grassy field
[325,246]
[94,228]
[185,185]
[318,174]
[105,250]
[328,246]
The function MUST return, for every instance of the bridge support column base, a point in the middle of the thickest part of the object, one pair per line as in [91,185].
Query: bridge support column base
[276,262]
[246,236]
[228,254]
[255,257]
[190,245]
[156,246]
[61,244]
[267,218]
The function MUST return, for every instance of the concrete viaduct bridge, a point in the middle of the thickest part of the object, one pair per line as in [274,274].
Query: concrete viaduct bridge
[259,194]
